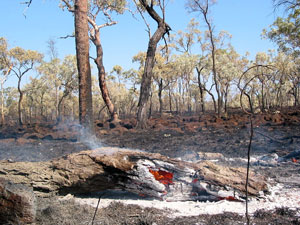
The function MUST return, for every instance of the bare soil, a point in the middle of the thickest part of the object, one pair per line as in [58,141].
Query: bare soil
[174,136]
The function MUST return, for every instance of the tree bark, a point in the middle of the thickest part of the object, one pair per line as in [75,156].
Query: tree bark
[83,64]
[2,104]
[101,76]
[138,172]
[145,89]
[160,89]
[20,102]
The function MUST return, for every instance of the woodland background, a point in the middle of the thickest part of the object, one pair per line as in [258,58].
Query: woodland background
[194,71]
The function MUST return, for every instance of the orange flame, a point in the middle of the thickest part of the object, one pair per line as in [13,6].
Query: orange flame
[163,177]
[230,198]
[294,160]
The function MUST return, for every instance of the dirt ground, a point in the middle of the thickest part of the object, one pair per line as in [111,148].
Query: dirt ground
[170,135]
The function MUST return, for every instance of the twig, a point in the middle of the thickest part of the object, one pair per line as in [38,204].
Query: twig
[28,3]
[97,208]
[68,36]
[248,169]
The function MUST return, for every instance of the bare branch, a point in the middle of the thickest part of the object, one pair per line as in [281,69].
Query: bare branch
[27,7]
[145,21]
[67,36]
[69,6]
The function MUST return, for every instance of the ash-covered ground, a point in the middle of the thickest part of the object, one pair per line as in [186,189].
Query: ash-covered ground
[276,136]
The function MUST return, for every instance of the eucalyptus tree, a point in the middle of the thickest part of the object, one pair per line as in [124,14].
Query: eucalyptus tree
[103,9]
[37,94]
[285,31]
[185,42]
[203,7]
[293,77]
[123,87]
[80,9]
[184,65]
[163,75]
[151,7]
[68,76]
[283,79]
[5,68]
[264,75]
[50,70]
[229,65]
[22,62]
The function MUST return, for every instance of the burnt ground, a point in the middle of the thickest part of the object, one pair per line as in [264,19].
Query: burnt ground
[170,135]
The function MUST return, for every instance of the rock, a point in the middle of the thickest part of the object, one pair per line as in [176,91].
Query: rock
[17,203]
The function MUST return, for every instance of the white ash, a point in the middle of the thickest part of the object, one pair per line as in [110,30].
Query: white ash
[280,196]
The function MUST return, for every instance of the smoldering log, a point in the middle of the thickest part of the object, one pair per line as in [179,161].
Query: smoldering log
[139,172]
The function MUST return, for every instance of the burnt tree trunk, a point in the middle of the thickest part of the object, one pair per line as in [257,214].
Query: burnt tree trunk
[101,76]
[20,102]
[134,171]
[162,29]
[160,89]
[83,64]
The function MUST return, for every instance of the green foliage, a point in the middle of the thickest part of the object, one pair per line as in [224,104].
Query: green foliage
[286,31]
[117,6]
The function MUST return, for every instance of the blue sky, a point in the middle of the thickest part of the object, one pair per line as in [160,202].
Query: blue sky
[244,19]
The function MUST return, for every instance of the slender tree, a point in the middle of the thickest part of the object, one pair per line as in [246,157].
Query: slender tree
[203,6]
[5,68]
[162,29]
[22,62]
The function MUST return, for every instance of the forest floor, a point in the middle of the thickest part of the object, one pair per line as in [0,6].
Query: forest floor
[181,137]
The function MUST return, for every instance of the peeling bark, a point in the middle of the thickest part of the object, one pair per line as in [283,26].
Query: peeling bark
[138,172]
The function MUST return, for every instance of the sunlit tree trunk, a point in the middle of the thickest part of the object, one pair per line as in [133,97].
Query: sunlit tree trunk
[20,102]
[83,64]
[2,103]
[101,76]
[170,100]
[160,89]
[145,89]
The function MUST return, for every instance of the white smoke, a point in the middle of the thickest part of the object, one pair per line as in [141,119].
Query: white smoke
[89,139]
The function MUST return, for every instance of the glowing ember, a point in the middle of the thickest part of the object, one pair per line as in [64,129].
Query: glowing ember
[294,160]
[230,198]
[163,177]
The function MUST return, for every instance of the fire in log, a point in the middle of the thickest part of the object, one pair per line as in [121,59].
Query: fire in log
[139,172]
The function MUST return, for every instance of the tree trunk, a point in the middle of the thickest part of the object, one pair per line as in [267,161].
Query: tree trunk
[59,107]
[150,107]
[145,89]
[160,89]
[101,76]
[20,102]
[213,55]
[2,105]
[262,97]
[83,64]
[213,99]
[170,100]
[138,172]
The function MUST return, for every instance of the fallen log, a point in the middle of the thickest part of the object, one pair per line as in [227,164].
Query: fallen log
[139,172]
